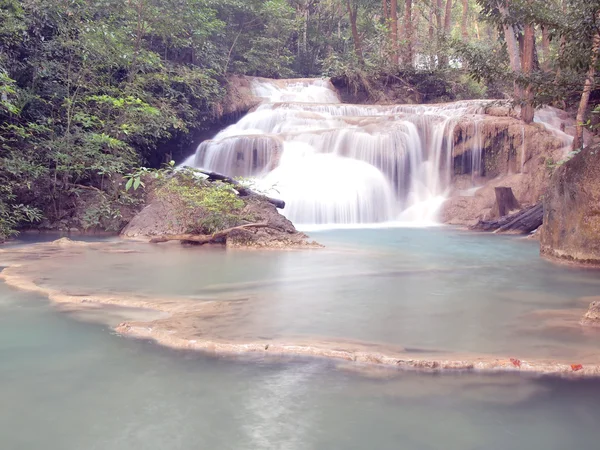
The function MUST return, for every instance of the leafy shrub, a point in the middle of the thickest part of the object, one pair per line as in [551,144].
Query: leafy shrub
[201,206]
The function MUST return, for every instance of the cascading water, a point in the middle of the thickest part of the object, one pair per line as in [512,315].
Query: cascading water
[555,121]
[342,165]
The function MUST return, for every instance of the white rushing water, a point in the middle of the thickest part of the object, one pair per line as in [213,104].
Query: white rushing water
[337,164]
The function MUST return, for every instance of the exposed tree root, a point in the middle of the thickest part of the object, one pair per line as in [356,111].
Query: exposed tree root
[204,238]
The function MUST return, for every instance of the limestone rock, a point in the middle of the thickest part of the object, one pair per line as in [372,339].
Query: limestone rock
[162,217]
[158,217]
[513,155]
[66,242]
[280,233]
[592,316]
[239,98]
[571,229]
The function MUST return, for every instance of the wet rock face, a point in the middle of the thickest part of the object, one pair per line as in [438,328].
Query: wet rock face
[571,229]
[513,155]
[507,145]
[239,98]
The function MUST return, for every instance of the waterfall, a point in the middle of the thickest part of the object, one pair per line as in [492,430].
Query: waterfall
[337,164]
[522,148]
[555,121]
[476,150]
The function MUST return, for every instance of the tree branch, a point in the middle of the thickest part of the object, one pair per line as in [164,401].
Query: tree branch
[204,238]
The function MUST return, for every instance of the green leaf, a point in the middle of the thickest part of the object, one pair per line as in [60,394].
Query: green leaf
[136,184]
[129,183]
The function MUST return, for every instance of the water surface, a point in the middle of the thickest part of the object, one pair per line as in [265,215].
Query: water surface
[434,289]
[69,385]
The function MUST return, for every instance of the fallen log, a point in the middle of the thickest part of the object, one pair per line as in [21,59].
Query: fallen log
[242,190]
[204,238]
[524,221]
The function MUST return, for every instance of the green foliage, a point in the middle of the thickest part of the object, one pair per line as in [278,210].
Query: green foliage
[92,89]
[205,207]
[486,62]
[12,215]
[88,90]
[552,165]
[570,26]
[258,38]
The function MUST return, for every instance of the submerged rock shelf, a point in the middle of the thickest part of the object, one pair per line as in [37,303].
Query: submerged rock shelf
[205,325]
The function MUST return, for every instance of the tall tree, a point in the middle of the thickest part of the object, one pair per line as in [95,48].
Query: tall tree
[465,16]
[512,44]
[545,47]
[439,18]
[587,87]
[394,31]
[527,111]
[448,18]
[353,14]
[408,33]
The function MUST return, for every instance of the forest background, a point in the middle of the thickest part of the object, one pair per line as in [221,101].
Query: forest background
[90,90]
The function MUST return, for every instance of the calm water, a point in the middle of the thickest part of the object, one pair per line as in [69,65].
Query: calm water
[434,289]
[68,385]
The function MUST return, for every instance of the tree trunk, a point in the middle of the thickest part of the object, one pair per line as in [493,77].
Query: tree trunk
[587,90]
[438,14]
[545,48]
[352,12]
[408,33]
[431,28]
[448,17]
[386,13]
[512,46]
[305,33]
[505,201]
[443,57]
[394,31]
[527,111]
[465,15]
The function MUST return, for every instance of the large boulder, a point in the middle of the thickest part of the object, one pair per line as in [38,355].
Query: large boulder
[177,211]
[280,232]
[571,230]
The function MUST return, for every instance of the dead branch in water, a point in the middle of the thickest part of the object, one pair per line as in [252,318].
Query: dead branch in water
[204,238]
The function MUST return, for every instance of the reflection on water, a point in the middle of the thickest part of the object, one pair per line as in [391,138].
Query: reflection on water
[435,289]
[67,385]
